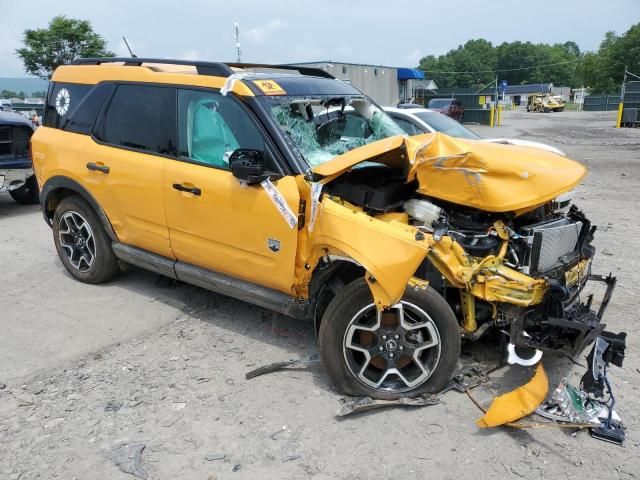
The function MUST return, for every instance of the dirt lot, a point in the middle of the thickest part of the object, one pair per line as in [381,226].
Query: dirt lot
[145,361]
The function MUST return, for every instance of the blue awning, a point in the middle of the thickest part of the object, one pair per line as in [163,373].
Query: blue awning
[410,73]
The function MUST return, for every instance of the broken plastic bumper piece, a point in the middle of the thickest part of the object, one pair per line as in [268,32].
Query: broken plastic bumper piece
[518,403]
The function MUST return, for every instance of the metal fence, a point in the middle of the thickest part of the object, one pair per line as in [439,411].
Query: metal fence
[476,102]
[601,103]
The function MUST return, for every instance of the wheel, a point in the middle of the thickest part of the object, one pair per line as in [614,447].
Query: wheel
[406,350]
[82,242]
[27,194]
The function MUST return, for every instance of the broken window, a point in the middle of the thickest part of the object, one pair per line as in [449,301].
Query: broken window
[324,127]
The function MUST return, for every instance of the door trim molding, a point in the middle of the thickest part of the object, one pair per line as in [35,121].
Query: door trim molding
[214,281]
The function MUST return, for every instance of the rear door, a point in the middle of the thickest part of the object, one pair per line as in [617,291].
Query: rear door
[216,222]
[124,161]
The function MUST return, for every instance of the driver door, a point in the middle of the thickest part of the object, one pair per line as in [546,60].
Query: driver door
[214,221]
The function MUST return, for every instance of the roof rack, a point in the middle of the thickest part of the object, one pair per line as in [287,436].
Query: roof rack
[311,71]
[217,69]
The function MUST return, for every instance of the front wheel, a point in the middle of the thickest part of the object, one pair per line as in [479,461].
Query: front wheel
[409,349]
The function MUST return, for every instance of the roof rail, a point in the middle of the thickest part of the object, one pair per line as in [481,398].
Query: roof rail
[311,71]
[217,69]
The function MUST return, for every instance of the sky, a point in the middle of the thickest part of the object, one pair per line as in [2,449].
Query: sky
[276,31]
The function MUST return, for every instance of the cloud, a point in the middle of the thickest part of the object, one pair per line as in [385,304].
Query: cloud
[260,34]
[190,55]
[413,58]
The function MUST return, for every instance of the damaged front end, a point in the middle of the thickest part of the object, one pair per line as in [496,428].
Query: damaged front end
[490,227]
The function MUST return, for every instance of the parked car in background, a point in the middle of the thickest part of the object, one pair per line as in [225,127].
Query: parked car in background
[415,121]
[16,172]
[447,106]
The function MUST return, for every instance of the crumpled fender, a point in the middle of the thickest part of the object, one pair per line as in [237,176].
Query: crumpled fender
[389,251]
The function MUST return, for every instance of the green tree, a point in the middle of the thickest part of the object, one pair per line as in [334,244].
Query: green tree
[65,40]
[465,65]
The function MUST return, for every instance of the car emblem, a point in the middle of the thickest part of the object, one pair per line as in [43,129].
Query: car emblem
[273,244]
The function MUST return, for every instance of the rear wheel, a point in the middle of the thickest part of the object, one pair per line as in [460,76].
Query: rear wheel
[406,350]
[82,242]
[27,194]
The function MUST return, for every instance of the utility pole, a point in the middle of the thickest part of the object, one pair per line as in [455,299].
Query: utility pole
[621,104]
[237,29]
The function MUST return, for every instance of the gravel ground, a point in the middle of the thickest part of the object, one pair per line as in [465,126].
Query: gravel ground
[146,362]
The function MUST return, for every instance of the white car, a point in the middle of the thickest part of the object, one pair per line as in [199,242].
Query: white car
[416,120]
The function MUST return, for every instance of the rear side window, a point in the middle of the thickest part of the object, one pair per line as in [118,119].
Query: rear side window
[141,117]
[62,101]
[81,119]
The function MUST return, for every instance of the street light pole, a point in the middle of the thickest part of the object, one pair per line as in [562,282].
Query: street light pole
[239,52]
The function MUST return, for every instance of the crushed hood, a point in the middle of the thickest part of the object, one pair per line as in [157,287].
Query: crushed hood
[487,176]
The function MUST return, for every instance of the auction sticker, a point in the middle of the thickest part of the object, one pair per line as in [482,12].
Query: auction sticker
[269,87]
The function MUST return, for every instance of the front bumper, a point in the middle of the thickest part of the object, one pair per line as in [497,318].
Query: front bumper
[14,178]
[568,330]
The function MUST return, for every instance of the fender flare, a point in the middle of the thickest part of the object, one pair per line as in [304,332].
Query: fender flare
[60,182]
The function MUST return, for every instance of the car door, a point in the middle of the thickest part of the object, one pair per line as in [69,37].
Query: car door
[215,221]
[125,160]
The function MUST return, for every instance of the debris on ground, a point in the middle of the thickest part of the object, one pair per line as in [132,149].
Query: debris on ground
[214,456]
[468,378]
[128,458]
[351,405]
[518,403]
[310,361]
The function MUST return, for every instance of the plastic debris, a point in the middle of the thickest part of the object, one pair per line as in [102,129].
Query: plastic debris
[572,405]
[310,361]
[128,458]
[351,405]
[518,403]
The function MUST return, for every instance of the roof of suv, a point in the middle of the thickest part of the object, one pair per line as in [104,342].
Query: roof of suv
[204,74]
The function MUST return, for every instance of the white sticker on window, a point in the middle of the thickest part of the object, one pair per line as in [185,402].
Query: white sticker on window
[316,190]
[280,202]
[63,100]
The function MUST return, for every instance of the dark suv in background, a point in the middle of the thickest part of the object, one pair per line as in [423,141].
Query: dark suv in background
[448,106]
[16,171]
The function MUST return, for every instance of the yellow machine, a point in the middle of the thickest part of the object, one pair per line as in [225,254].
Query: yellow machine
[257,182]
[544,102]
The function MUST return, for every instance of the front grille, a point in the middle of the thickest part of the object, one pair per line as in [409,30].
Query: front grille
[550,242]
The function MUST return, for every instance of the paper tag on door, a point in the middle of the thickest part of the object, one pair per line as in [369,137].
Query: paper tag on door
[280,202]
[316,190]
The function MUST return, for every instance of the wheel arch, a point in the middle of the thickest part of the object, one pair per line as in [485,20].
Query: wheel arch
[59,187]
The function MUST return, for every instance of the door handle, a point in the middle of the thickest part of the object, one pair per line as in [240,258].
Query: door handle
[183,188]
[98,168]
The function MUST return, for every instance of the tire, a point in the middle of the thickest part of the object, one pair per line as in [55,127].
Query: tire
[27,194]
[352,308]
[82,242]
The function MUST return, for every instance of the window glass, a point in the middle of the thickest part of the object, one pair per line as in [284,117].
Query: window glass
[141,117]
[407,126]
[64,98]
[446,125]
[82,117]
[211,126]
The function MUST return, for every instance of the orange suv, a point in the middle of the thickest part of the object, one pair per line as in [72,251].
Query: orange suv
[252,181]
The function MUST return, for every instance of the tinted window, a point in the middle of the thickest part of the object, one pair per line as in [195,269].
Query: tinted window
[446,125]
[64,98]
[439,103]
[211,126]
[141,117]
[82,117]
[407,125]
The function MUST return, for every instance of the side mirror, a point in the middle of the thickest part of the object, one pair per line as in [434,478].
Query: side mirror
[248,165]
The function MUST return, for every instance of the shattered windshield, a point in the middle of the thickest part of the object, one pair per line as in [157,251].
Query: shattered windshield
[324,127]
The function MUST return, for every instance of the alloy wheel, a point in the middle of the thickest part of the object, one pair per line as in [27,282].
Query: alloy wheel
[77,240]
[394,350]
